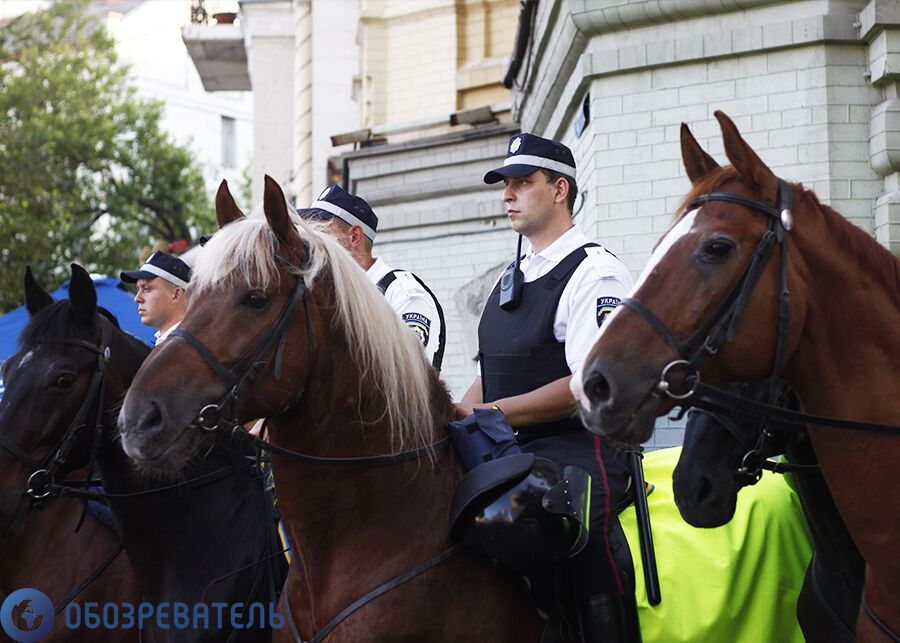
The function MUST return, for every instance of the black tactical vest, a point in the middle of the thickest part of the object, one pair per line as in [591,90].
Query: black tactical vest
[517,348]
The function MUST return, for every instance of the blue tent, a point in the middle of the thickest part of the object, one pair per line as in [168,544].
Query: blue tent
[112,294]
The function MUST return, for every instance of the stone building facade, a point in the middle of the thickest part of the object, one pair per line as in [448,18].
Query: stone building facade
[812,85]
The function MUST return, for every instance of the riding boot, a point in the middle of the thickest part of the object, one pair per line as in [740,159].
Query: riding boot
[609,618]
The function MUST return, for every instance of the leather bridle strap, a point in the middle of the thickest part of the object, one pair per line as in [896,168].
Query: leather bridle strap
[237,379]
[99,569]
[722,324]
[881,625]
[715,399]
[390,458]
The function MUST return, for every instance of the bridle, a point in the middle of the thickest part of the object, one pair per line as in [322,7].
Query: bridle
[237,379]
[221,417]
[722,326]
[767,439]
[42,480]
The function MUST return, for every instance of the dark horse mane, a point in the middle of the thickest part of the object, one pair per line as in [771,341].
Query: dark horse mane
[873,258]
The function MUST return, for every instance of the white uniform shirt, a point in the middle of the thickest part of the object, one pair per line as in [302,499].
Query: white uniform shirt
[161,336]
[413,303]
[596,287]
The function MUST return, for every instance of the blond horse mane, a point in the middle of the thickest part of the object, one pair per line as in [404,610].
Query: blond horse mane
[388,355]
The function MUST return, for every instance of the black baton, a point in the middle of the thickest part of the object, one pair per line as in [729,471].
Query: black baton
[645,533]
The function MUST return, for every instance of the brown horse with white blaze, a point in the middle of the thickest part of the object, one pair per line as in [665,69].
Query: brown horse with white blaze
[840,347]
[344,380]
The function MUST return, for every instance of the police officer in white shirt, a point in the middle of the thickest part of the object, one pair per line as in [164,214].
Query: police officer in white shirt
[161,283]
[538,325]
[354,224]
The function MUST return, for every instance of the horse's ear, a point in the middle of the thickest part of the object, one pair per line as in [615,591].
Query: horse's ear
[697,162]
[226,209]
[82,295]
[36,297]
[275,207]
[745,161]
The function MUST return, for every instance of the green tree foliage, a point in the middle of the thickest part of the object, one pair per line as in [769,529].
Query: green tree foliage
[86,172]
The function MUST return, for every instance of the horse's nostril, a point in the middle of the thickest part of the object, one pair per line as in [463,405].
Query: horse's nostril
[153,419]
[596,387]
[704,489]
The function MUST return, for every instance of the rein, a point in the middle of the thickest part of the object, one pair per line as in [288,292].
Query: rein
[367,598]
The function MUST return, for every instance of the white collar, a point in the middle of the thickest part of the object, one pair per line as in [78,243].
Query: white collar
[564,244]
[160,336]
[378,270]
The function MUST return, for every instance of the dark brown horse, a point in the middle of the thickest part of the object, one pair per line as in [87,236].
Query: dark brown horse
[840,349]
[343,380]
[177,536]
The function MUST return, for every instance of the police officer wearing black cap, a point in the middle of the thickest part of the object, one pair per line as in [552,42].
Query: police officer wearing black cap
[538,325]
[353,223]
[161,283]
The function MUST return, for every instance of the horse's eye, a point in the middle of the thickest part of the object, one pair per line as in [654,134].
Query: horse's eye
[716,249]
[64,382]
[255,300]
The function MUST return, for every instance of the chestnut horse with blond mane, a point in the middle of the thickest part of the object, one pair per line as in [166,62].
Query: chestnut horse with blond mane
[838,347]
[358,389]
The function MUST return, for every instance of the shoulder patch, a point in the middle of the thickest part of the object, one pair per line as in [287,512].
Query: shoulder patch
[419,324]
[603,261]
[605,305]
[408,283]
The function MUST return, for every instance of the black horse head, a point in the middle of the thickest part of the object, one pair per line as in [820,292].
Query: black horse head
[52,405]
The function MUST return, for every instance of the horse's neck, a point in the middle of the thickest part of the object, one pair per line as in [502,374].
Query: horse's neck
[336,514]
[829,533]
[847,355]
[846,365]
[49,554]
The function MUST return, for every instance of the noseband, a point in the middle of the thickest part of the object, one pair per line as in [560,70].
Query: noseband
[42,480]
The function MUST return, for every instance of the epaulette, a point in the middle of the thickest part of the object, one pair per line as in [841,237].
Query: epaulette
[409,284]
[603,261]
